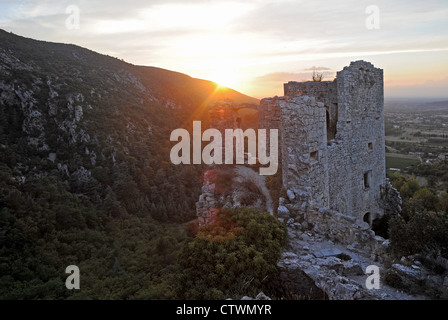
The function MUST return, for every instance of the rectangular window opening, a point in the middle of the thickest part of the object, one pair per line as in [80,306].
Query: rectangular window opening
[367,176]
[370,145]
[314,156]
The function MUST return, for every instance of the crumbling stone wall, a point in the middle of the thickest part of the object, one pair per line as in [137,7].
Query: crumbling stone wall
[347,230]
[325,92]
[332,139]
[269,117]
[336,226]
[269,114]
[303,148]
[224,114]
[357,158]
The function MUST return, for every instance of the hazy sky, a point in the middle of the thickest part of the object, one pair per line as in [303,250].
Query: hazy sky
[254,46]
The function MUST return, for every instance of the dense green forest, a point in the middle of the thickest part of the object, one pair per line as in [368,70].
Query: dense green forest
[422,226]
[235,255]
[46,228]
[121,224]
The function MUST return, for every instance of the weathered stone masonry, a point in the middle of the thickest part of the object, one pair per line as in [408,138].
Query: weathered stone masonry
[224,114]
[332,155]
[332,152]
[332,140]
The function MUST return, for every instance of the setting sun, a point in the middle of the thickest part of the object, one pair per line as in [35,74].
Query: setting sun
[225,78]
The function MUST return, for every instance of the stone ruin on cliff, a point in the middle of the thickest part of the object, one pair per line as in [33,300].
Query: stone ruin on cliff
[332,145]
[332,161]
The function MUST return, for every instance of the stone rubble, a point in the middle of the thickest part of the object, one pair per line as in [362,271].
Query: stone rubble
[338,268]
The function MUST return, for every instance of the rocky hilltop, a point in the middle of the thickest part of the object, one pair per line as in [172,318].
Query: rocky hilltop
[70,109]
[84,160]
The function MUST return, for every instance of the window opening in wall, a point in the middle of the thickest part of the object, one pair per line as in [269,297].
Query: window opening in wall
[336,115]
[327,118]
[370,145]
[366,218]
[331,121]
[314,156]
[367,179]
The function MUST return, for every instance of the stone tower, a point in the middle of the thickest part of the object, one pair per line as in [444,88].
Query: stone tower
[332,140]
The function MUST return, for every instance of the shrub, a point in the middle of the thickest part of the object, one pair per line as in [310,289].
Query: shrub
[424,231]
[235,256]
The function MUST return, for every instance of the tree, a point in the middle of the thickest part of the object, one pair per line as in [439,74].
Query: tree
[317,77]
[426,198]
[235,255]
[443,203]
[407,187]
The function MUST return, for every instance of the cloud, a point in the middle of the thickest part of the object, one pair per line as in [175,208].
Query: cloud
[340,26]
[297,20]
[314,68]
[280,77]
[113,27]
[274,28]
[278,41]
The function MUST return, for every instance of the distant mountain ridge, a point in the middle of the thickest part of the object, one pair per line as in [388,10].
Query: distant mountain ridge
[157,78]
[415,105]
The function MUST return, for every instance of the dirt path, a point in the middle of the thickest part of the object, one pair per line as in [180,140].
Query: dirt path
[259,180]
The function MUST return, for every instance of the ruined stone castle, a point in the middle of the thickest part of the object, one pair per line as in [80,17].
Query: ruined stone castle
[332,150]
[332,160]
[332,140]
[332,146]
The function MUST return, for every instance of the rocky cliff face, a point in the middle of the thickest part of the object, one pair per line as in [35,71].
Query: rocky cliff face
[69,109]
[229,189]
[78,115]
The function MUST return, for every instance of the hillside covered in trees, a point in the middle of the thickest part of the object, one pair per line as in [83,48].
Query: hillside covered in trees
[86,180]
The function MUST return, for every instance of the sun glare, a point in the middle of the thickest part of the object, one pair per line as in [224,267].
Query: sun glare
[225,78]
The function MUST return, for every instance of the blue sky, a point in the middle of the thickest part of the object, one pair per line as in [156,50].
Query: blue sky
[254,46]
